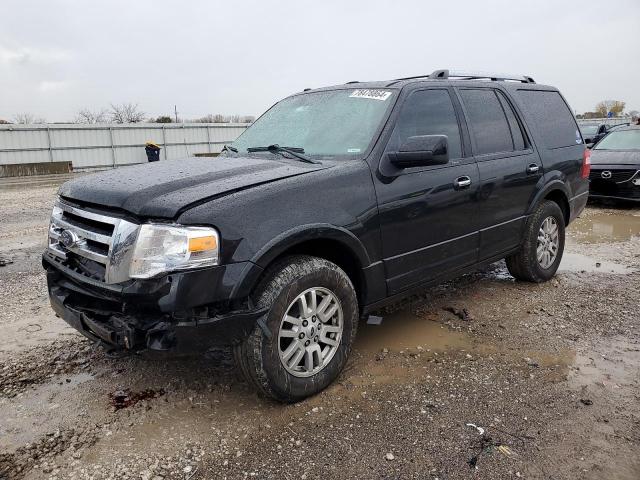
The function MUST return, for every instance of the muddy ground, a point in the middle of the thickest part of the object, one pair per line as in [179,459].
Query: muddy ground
[549,373]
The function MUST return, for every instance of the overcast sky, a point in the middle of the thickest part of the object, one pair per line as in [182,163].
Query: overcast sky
[207,56]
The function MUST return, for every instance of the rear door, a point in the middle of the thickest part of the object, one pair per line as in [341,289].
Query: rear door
[427,214]
[509,168]
[558,138]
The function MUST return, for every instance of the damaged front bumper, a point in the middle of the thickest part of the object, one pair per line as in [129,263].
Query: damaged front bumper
[139,317]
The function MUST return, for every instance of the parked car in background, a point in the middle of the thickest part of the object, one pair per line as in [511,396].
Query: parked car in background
[592,133]
[334,203]
[615,165]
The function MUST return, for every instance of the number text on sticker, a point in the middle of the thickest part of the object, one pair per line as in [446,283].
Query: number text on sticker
[372,94]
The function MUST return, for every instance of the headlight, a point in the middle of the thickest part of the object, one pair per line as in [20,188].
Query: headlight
[165,248]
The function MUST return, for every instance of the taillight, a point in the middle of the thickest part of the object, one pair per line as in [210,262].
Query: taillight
[586,163]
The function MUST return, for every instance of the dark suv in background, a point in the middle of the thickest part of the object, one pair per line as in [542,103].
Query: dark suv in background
[334,203]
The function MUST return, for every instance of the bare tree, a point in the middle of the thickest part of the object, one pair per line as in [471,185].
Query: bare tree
[205,119]
[126,113]
[27,119]
[634,113]
[89,116]
[219,118]
[616,107]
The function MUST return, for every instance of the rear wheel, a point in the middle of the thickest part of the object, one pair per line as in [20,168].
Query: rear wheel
[541,253]
[308,332]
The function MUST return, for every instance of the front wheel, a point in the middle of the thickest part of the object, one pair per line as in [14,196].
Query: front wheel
[541,253]
[308,332]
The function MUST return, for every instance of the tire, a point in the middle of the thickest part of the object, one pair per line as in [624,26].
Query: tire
[525,265]
[259,357]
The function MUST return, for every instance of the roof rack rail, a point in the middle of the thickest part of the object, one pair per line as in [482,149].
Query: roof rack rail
[496,77]
[446,74]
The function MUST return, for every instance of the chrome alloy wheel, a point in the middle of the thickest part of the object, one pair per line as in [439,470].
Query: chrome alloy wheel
[310,332]
[548,242]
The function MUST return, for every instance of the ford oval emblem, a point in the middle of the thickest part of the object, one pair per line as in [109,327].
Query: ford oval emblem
[69,239]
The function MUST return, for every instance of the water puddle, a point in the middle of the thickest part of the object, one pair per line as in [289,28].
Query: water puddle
[604,228]
[577,262]
[403,330]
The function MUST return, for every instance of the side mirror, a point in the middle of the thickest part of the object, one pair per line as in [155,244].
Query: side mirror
[421,150]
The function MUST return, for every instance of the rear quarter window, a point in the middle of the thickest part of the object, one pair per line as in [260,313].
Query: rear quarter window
[551,116]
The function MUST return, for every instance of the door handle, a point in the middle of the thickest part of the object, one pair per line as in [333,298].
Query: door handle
[462,182]
[533,168]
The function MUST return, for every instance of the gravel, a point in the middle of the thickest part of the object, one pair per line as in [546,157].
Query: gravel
[548,372]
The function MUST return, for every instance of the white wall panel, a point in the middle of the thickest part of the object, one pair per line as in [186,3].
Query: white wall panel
[24,156]
[84,157]
[89,146]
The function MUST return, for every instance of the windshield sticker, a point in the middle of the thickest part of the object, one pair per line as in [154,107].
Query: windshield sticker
[578,137]
[381,95]
[353,150]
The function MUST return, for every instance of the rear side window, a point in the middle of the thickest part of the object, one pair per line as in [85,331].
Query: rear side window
[516,131]
[488,121]
[552,116]
[427,112]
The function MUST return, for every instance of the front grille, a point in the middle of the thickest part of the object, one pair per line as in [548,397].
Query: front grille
[617,176]
[97,246]
[608,188]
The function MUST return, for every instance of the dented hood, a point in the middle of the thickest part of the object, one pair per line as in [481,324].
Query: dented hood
[165,189]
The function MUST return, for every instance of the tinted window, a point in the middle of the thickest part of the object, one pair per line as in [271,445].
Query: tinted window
[514,125]
[551,115]
[428,112]
[487,120]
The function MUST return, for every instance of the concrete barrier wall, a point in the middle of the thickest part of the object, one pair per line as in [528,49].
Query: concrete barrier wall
[26,169]
[105,146]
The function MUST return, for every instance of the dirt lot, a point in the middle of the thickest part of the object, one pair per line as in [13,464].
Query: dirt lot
[549,373]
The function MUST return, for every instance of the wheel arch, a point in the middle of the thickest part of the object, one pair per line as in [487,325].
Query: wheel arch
[557,192]
[332,243]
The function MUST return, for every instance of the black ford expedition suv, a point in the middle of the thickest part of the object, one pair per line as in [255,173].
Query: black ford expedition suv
[334,203]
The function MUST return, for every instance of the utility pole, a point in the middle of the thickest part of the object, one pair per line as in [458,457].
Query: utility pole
[175,109]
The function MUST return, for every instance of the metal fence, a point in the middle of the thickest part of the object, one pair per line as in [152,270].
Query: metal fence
[104,146]
[604,121]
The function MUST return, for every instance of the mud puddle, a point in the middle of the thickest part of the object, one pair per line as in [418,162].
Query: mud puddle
[411,333]
[577,262]
[606,228]
[403,330]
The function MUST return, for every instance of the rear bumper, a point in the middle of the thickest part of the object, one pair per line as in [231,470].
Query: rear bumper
[577,205]
[182,311]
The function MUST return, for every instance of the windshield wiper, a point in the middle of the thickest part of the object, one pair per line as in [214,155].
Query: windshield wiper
[229,148]
[295,151]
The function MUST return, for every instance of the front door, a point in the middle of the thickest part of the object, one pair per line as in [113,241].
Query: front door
[428,215]
[509,168]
